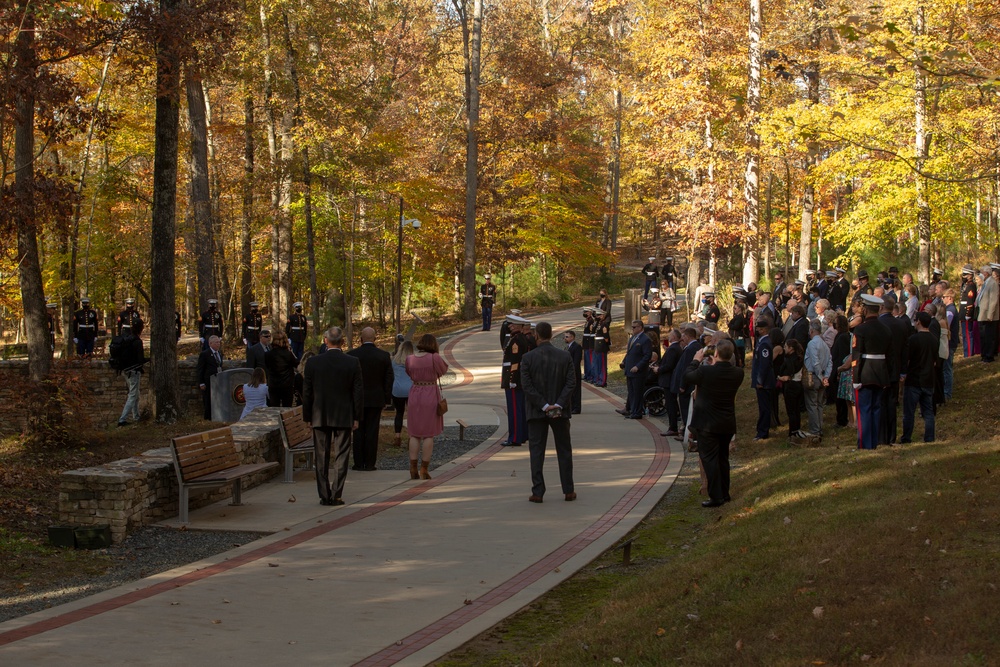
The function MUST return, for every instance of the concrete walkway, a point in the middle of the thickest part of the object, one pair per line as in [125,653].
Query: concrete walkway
[404,573]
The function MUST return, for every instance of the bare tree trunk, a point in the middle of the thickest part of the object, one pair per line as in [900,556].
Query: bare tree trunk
[163,343]
[808,190]
[246,247]
[922,149]
[751,185]
[201,205]
[472,39]
[616,169]
[29,270]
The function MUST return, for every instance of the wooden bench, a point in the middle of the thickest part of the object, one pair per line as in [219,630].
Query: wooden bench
[296,435]
[15,351]
[210,459]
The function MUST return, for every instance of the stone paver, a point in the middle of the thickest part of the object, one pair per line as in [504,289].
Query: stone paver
[404,573]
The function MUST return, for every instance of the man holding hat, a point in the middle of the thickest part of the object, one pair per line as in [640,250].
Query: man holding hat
[510,380]
[967,312]
[871,369]
[252,323]
[649,273]
[296,329]
[85,328]
[129,321]
[211,323]
[487,297]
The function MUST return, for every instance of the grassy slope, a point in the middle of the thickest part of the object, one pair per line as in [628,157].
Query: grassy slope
[827,556]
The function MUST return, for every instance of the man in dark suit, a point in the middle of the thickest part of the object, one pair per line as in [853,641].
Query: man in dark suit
[715,415]
[209,364]
[689,346]
[256,352]
[762,378]
[637,355]
[664,373]
[548,380]
[576,354]
[332,399]
[800,325]
[897,358]
[919,376]
[376,371]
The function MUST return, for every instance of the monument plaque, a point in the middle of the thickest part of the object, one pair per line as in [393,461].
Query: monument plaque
[227,394]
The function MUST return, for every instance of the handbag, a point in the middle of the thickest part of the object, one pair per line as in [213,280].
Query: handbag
[442,406]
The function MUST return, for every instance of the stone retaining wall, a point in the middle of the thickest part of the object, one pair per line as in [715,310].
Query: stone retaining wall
[141,490]
[105,398]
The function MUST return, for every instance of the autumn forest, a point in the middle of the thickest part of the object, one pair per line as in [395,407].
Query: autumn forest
[280,151]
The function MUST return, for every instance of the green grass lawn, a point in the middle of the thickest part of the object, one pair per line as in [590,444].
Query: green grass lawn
[828,555]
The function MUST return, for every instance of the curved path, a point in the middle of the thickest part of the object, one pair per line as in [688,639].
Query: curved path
[405,573]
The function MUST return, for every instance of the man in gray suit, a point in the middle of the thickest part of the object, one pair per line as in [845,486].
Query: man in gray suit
[332,400]
[548,380]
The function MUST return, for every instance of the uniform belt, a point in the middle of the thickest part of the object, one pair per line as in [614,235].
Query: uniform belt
[296,328]
[598,337]
[85,326]
[254,328]
[126,326]
[506,363]
[873,356]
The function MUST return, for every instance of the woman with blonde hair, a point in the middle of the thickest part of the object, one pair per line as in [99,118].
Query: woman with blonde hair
[425,368]
[401,385]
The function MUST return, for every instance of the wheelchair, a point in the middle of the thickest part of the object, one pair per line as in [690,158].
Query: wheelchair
[654,400]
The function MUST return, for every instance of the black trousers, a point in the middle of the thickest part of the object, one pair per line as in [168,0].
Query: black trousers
[400,404]
[636,386]
[280,397]
[673,411]
[327,441]
[684,402]
[988,340]
[794,402]
[577,400]
[206,399]
[366,439]
[887,422]
[775,401]
[538,434]
[842,415]
[713,449]
[764,412]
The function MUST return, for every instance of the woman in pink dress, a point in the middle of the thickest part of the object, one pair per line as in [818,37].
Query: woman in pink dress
[425,367]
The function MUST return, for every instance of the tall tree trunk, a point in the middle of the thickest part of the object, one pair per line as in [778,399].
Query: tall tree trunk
[222,279]
[163,343]
[812,77]
[201,204]
[922,149]
[246,226]
[472,39]
[29,270]
[616,169]
[751,184]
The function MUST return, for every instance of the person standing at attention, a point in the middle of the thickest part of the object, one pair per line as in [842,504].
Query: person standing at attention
[548,379]
[425,368]
[376,373]
[576,354]
[332,399]
[715,415]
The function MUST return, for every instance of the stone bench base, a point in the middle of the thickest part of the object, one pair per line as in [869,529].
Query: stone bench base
[143,490]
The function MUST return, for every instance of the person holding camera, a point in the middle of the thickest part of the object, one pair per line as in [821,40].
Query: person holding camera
[714,418]
[548,381]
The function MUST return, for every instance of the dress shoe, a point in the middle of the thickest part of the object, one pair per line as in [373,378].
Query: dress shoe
[571,496]
[337,501]
[534,499]
[358,468]
[326,501]
[670,434]
[622,412]
[370,468]
[712,503]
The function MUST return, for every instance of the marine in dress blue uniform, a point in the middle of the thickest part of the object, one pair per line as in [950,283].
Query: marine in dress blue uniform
[587,344]
[870,370]
[85,328]
[211,323]
[487,297]
[510,380]
[602,344]
[649,274]
[297,328]
[252,324]
[129,321]
[762,378]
